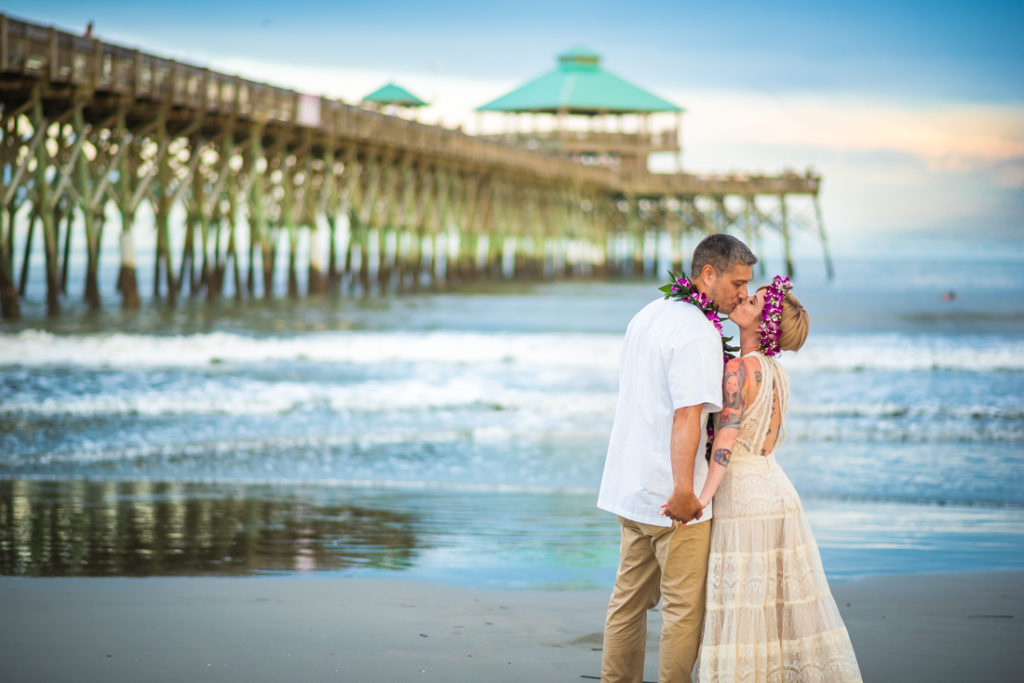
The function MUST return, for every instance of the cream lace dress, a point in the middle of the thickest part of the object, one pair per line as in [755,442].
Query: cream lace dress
[770,615]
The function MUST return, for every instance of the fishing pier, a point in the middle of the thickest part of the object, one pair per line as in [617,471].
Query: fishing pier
[245,180]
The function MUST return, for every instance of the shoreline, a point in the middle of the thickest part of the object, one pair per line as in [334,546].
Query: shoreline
[934,627]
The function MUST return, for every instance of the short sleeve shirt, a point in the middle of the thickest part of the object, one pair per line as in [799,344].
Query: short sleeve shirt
[671,358]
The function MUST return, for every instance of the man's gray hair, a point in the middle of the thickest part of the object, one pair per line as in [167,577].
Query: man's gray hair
[722,252]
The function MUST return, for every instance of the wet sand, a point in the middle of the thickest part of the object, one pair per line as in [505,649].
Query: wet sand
[947,627]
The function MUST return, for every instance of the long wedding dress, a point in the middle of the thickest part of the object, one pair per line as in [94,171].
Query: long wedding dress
[770,615]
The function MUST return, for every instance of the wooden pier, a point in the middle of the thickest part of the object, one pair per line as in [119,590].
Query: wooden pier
[91,131]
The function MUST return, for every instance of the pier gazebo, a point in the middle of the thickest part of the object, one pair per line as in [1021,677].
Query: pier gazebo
[392,97]
[589,114]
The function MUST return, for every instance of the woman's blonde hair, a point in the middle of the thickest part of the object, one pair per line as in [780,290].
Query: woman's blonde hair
[795,324]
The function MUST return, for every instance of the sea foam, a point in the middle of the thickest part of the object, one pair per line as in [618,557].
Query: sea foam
[823,353]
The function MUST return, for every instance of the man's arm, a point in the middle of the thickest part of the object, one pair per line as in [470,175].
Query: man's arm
[683,506]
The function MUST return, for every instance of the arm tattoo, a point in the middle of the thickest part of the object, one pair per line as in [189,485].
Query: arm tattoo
[732,409]
[722,456]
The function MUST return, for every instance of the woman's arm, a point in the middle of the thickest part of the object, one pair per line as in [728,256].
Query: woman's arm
[734,401]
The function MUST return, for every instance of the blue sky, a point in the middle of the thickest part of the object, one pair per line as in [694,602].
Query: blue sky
[913,111]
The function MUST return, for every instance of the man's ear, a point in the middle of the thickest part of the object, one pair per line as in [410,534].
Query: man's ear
[707,274]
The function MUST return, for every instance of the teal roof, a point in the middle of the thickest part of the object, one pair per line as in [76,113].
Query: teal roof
[394,94]
[580,86]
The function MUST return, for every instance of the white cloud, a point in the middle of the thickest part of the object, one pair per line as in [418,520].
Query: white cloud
[947,137]
[1010,174]
[451,100]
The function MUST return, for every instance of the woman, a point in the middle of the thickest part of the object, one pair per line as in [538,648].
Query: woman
[770,615]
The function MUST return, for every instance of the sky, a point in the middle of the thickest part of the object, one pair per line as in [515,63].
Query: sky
[912,111]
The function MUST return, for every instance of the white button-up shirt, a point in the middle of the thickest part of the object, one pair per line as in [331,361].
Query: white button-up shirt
[671,358]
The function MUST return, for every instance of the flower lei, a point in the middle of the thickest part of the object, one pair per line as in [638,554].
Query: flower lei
[681,289]
[771,315]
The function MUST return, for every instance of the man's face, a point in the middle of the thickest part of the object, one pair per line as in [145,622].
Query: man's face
[730,288]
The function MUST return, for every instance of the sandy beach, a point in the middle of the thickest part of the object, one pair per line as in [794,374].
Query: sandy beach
[943,627]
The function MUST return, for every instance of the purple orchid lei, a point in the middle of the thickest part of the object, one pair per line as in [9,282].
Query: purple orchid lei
[681,289]
[771,315]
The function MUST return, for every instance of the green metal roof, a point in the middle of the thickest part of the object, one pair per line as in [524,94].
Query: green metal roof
[579,86]
[394,94]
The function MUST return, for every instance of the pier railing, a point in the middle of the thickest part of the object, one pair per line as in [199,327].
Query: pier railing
[57,59]
[720,184]
[581,141]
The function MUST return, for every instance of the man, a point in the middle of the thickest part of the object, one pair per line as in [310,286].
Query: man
[670,380]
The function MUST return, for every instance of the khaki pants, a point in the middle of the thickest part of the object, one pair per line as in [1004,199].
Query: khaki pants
[655,562]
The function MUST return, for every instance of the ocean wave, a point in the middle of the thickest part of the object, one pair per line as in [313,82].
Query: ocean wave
[418,485]
[541,410]
[250,398]
[888,432]
[909,499]
[303,445]
[33,347]
[905,410]
[471,404]
[439,458]
[842,353]
[907,353]
[215,449]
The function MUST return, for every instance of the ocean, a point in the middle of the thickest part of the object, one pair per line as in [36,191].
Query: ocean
[460,436]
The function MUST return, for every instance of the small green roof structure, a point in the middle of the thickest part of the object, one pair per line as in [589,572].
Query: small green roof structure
[396,95]
[580,86]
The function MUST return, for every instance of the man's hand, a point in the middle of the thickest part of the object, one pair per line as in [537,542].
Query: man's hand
[683,507]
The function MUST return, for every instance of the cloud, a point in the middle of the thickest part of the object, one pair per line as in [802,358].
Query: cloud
[451,99]
[947,137]
[1009,173]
